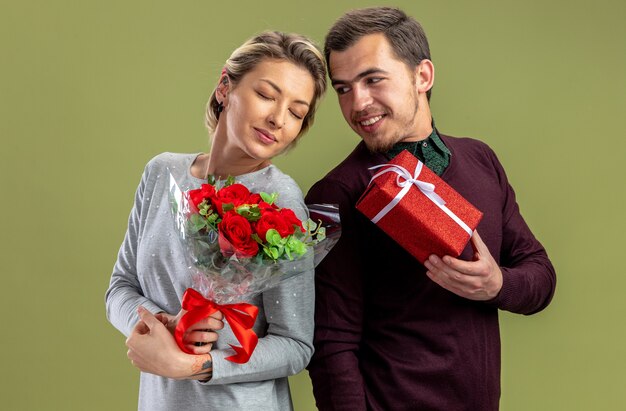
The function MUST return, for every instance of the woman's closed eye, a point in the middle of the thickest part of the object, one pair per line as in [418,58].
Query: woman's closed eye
[264,96]
[296,115]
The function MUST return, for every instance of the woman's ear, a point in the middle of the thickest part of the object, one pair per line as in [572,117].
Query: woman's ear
[425,76]
[223,87]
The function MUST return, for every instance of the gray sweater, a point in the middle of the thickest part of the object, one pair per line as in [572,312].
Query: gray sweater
[151,271]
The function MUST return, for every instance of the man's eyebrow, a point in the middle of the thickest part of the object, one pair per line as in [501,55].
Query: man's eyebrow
[280,91]
[373,70]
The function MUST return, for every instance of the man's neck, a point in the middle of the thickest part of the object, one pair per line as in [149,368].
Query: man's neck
[423,122]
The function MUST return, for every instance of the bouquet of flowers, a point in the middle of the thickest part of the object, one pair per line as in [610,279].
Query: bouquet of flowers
[240,244]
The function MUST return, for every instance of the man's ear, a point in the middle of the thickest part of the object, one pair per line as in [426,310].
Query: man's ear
[424,76]
[222,90]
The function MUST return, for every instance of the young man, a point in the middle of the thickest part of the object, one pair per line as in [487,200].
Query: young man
[391,333]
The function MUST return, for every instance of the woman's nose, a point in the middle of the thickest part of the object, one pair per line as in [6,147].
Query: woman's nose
[277,119]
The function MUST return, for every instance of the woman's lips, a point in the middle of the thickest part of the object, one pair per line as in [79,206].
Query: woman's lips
[265,136]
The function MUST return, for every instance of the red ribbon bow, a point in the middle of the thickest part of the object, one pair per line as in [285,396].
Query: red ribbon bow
[241,318]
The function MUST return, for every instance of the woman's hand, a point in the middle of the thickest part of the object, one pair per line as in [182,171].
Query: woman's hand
[152,349]
[198,338]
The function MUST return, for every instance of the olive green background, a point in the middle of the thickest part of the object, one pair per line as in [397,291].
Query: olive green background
[91,90]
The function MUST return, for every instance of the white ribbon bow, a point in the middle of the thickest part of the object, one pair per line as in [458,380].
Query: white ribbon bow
[405,180]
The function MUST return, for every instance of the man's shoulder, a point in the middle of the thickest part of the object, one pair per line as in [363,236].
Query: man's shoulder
[469,150]
[464,143]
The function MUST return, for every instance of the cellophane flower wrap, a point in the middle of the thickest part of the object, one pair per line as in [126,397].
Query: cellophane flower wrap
[239,244]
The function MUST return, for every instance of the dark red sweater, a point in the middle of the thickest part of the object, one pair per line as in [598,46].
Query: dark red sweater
[387,337]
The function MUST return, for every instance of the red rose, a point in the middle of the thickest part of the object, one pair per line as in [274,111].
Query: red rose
[291,218]
[236,194]
[254,199]
[205,192]
[266,206]
[271,218]
[235,236]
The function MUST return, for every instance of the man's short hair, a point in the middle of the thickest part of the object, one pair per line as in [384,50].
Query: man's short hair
[404,33]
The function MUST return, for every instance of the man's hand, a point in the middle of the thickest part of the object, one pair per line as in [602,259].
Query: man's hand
[480,279]
[198,338]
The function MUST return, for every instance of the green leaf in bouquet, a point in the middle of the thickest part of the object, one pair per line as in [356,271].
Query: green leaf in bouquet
[309,225]
[243,210]
[267,251]
[256,238]
[314,232]
[321,234]
[273,238]
[301,235]
[251,212]
[227,207]
[205,208]
[273,252]
[269,198]
[204,244]
[291,241]
[212,219]
[211,180]
[296,246]
[197,223]
[230,180]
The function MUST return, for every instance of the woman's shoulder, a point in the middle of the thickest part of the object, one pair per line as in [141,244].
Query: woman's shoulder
[169,160]
[283,181]
[162,165]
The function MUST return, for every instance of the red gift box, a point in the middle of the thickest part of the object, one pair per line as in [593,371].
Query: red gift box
[418,209]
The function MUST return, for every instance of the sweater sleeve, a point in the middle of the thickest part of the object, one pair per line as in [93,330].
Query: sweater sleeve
[339,305]
[124,294]
[529,279]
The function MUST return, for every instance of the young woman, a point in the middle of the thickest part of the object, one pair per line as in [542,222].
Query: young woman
[264,101]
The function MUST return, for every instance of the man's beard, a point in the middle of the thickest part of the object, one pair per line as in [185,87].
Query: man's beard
[382,145]
[377,146]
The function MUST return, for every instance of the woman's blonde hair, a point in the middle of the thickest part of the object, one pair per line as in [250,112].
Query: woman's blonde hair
[294,48]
